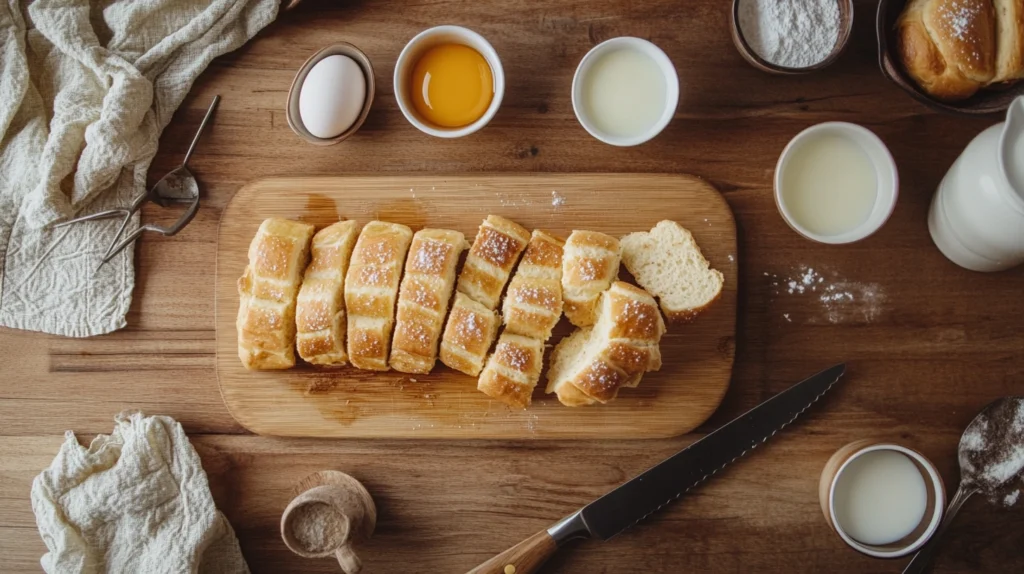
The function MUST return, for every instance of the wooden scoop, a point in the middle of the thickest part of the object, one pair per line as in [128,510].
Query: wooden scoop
[332,511]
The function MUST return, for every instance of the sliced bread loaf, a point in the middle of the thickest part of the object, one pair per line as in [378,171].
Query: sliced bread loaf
[668,263]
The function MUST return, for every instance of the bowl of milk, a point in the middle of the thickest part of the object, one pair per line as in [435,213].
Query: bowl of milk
[625,91]
[836,182]
[882,499]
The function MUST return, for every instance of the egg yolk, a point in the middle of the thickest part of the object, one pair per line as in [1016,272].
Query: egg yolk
[452,85]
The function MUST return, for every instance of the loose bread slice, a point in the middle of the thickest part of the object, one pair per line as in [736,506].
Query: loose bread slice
[468,335]
[423,299]
[513,370]
[267,292]
[591,365]
[494,253]
[320,308]
[668,263]
[533,304]
[589,265]
[371,289]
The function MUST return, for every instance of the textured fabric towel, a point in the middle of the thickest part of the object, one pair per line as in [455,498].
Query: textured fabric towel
[86,87]
[134,501]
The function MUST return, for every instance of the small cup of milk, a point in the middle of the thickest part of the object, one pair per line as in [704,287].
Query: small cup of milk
[882,499]
[836,182]
[625,91]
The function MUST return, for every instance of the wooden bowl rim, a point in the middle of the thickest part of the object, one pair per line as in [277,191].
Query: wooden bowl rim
[291,106]
[748,53]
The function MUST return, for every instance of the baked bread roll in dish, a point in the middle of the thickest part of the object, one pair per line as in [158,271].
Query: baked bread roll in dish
[592,364]
[667,262]
[589,265]
[494,253]
[468,335]
[320,308]
[423,300]
[267,291]
[949,46]
[533,303]
[513,370]
[371,288]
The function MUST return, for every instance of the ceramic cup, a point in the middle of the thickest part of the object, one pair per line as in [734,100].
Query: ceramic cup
[935,506]
[671,87]
[414,50]
[881,160]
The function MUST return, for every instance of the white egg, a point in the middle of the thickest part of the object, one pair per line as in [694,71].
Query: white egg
[332,96]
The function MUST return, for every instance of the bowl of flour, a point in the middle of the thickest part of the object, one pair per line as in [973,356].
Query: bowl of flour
[791,36]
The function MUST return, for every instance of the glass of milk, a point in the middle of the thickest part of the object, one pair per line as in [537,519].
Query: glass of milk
[836,182]
[882,499]
[625,91]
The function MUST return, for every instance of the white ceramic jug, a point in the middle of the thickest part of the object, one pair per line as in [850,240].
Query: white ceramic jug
[977,215]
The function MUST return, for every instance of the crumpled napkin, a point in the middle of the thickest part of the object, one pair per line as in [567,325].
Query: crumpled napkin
[86,88]
[134,501]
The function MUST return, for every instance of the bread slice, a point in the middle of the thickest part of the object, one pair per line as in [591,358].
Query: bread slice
[371,288]
[533,303]
[468,335]
[1009,40]
[320,309]
[592,364]
[513,370]
[589,265]
[494,253]
[668,263]
[267,291]
[423,299]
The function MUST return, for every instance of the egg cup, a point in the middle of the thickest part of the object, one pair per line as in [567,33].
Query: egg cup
[292,107]
[415,49]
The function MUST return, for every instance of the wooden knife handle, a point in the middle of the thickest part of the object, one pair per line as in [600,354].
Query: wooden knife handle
[524,558]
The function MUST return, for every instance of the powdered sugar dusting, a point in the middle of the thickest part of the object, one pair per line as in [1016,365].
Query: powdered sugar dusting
[838,299]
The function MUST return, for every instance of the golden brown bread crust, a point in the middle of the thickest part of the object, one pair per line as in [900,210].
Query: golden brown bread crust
[267,292]
[1009,40]
[589,265]
[468,335]
[371,289]
[533,303]
[948,46]
[320,307]
[423,299]
[618,350]
[494,253]
[513,370]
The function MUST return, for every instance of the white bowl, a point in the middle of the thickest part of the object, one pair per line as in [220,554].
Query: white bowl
[886,175]
[671,86]
[414,50]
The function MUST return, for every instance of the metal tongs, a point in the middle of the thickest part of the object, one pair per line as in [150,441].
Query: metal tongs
[176,188]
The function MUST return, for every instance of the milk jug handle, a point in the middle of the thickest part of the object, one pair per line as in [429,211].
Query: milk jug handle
[1013,130]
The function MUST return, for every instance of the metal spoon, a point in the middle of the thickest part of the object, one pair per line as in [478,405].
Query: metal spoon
[971,480]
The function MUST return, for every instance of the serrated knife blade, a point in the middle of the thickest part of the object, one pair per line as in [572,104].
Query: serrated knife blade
[669,479]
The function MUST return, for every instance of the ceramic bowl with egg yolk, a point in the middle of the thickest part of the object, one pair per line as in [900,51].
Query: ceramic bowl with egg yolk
[414,51]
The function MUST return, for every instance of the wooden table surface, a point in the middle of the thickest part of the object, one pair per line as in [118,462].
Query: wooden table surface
[927,343]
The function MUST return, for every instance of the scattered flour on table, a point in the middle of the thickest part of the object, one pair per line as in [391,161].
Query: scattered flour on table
[513,199]
[835,299]
[557,199]
[1011,498]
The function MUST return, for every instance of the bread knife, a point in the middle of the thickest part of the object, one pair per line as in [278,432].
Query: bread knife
[668,480]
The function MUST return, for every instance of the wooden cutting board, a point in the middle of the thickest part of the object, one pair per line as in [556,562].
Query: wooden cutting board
[346,402]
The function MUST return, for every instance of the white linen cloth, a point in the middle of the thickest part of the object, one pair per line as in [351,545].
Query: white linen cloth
[86,88]
[134,501]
